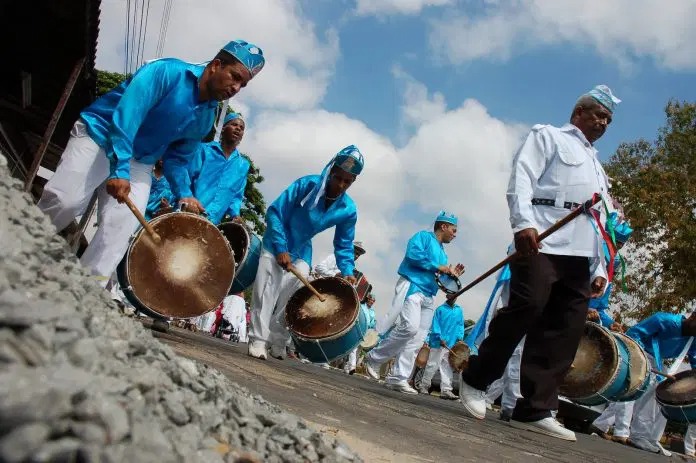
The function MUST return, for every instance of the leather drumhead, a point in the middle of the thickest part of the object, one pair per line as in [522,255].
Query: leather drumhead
[447,283]
[186,275]
[370,339]
[682,391]
[593,364]
[310,318]
[460,360]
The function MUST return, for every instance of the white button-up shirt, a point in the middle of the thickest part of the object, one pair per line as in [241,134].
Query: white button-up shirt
[561,165]
[327,267]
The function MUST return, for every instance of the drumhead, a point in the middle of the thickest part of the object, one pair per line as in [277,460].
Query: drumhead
[238,237]
[309,318]
[594,364]
[460,360]
[681,391]
[186,275]
[447,283]
[370,339]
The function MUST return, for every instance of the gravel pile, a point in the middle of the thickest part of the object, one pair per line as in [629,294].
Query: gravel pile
[81,382]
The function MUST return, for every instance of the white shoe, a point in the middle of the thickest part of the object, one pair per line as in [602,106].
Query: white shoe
[423,390]
[278,352]
[372,372]
[257,349]
[489,406]
[548,426]
[448,395]
[473,400]
[401,387]
[645,444]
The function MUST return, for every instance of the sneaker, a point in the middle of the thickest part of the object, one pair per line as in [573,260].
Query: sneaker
[349,372]
[257,349]
[278,352]
[401,387]
[325,366]
[643,444]
[372,372]
[448,395]
[548,426]
[423,390]
[489,406]
[473,400]
[505,415]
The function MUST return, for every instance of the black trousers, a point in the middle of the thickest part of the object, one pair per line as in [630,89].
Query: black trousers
[548,304]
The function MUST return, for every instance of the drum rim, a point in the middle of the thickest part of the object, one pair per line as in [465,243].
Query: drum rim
[449,357]
[366,332]
[443,288]
[674,403]
[602,392]
[630,394]
[313,342]
[241,263]
[126,270]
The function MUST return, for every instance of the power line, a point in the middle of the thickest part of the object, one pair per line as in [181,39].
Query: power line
[164,26]
[125,64]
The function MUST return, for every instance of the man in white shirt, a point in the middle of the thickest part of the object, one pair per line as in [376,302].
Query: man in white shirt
[234,311]
[555,170]
[328,267]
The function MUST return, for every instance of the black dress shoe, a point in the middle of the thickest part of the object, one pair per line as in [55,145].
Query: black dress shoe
[505,415]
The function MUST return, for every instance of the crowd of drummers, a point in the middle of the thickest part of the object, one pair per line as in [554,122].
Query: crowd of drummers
[140,149]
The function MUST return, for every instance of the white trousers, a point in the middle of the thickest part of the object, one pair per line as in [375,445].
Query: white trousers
[352,360]
[83,169]
[272,290]
[509,384]
[406,336]
[689,439]
[647,424]
[205,322]
[617,414]
[438,358]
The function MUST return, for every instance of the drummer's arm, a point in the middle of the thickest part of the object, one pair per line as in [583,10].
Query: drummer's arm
[176,166]
[237,189]
[276,215]
[344,235]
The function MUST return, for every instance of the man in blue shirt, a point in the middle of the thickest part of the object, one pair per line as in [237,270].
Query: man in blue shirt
[412,308]
[218,172]
[160,192]
[366,307]
[307,207]
[447,328]
[162,112]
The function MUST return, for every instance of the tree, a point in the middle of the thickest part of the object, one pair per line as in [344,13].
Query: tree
[468,322]
[107,81]
[653,182]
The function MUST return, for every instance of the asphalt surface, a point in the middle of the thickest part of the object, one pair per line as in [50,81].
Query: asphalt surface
[383,425]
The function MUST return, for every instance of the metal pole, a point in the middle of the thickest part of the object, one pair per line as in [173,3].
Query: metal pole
[48,134]
[84,221]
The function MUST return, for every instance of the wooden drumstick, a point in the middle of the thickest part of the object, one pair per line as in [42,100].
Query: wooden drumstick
[294,271]
[666,375]
[156,238]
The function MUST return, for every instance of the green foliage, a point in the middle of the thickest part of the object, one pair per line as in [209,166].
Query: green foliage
[254,206]
[468,322]
[107,81]
[653,182]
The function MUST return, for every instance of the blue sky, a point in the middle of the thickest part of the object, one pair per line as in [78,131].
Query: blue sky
[438,94]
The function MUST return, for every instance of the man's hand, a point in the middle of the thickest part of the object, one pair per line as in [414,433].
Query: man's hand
[459,269]
[592,315]
[616,327]
[284,260]
[447,270]
[597,286]
[349,278]
[526,242]
[192,205]
[164,202]
[118,188]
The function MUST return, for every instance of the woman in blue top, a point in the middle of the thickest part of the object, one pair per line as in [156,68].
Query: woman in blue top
[408,322]
[307,207]
[162,112]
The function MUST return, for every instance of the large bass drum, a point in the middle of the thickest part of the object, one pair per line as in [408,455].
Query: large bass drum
[186,275]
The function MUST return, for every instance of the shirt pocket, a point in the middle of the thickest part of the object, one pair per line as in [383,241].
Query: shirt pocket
[571,168]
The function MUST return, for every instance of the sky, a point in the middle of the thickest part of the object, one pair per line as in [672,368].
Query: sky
[437,94]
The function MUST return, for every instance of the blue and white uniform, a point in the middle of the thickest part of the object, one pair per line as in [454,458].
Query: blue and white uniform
[447,326]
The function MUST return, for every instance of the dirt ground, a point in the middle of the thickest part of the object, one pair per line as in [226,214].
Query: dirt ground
[383,425]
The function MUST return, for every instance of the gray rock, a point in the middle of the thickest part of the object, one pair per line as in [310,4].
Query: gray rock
[175,409]
[22,441]
[16,313]
[63,450]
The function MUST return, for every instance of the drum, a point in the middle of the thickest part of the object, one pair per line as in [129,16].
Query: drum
[600,369]
[186,275]
[638,378]
[459,357]
[677,398]
[246,247]
[448,284]
[362,287]
[370,340]
[324,331]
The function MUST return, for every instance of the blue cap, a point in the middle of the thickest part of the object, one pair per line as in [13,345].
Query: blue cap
[350,159]
[248,54]
[603,95]
[231,116]
[622,231]
[446,217]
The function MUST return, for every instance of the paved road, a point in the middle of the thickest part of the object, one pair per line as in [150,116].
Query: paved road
[384,425]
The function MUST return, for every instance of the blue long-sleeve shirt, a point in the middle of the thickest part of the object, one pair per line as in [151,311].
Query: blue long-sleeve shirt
[290,226]
[448,326]
[661,336]
[601,304]
[218,182]
[424,255]
[158,190]
[155,114]
[369,315]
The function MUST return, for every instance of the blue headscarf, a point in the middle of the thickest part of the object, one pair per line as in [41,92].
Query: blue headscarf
[603,95]
[446,217]
[349,159]
[231,116]
[622,231]
[248,54]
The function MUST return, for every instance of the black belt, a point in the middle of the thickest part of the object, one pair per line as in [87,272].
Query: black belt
[552,202]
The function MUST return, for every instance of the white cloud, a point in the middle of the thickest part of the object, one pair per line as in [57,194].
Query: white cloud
[621,30]
[299,58]
[409,7]
[457,160]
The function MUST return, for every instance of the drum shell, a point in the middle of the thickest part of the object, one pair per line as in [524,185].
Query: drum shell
[331,348]
[615,382]
[246,253]
[643,374]
[173,227]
